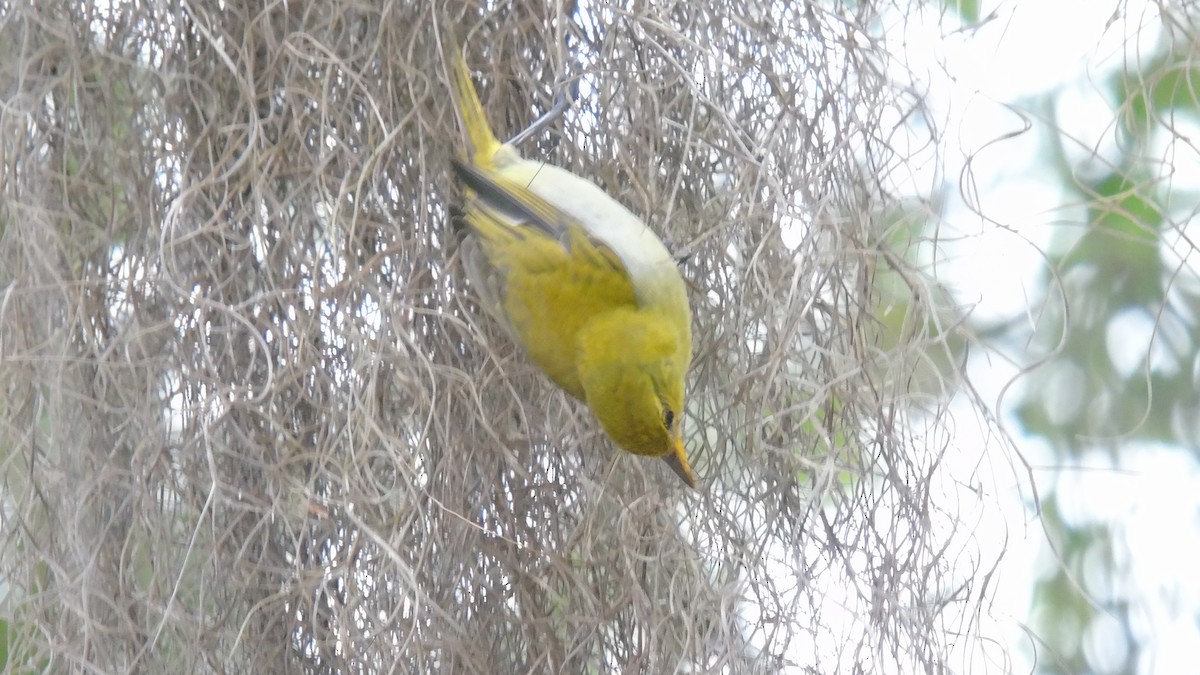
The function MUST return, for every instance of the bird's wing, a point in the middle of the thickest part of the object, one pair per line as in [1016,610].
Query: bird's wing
[542,290]
[510,203]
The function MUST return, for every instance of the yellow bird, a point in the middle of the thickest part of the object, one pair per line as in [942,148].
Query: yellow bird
[586,288]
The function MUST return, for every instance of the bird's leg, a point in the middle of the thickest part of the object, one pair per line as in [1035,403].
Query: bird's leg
[562,102]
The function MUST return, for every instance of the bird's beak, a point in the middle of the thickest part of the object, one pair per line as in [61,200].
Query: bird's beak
[678,461]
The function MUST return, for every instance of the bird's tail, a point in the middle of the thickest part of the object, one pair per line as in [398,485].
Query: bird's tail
[481,142]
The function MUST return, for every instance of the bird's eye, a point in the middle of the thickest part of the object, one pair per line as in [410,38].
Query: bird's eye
[668,418]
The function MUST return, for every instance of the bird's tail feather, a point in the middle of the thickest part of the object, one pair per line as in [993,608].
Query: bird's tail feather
[481,142]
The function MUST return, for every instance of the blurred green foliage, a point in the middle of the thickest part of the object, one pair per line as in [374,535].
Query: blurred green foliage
[967,9]
[1123,261]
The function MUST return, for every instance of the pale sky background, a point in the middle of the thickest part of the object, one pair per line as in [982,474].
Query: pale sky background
[985,85]
[1067,48]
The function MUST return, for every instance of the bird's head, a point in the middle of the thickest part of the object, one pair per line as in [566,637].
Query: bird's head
[632,365]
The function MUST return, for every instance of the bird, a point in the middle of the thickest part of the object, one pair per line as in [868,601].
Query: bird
[592,295]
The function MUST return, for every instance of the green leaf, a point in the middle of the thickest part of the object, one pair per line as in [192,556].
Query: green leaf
[1122,241]
[1168,84]
[967,9]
